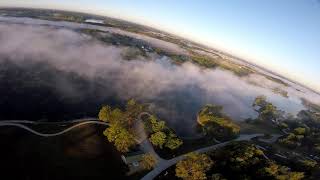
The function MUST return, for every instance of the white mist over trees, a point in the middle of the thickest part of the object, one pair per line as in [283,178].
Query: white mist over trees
[177,91]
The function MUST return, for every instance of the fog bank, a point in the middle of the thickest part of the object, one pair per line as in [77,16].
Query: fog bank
[177,92]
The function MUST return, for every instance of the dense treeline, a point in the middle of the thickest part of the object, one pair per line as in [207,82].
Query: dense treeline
[123,129]
[238,160]
[216,124]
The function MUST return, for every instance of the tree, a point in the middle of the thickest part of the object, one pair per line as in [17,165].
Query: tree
[271,170]
[158,139]
[283,125]
[148,161]
[299,131]
[239,159]
[110,115]
[120,131]
[260,102]
[157,125]
[308,164]
[173,142]
[216,124]
[133,109]
[194,167]
[243,160]
[104,113]
[266,110]
[162,135]
[291,140]
[207,112]
[291,176]
[275,171]
[120,136]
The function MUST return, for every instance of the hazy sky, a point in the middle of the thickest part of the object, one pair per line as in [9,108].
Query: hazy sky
[283,36]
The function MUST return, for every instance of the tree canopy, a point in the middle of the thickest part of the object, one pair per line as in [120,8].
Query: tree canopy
[173,142]
[158,139]
[243,160]
[121,131]
[148,161]
[104,113]
[157,125]
[161,135]
[194,167]
[275,171]
[299,131]
[215,123]
[267,111]
[120,136]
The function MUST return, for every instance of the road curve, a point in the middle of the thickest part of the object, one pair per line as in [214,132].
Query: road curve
[52,134]
[163,165]
[146,146]
[43,122]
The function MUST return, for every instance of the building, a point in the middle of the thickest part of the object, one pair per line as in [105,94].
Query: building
[94,21]
[133,161]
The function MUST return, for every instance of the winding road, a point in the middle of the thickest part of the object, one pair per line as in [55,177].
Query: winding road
[16,123]
[164,164]
[145,144]
[43,122]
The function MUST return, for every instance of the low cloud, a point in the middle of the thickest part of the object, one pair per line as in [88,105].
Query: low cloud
[177,92]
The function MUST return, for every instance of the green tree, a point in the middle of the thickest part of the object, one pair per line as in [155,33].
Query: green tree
[120,136]
[275,171]
[110,115]
[207,112]
[104,113]
[162,135]
[291,140]
[133,109]
[120,131]
[216,124]
[308,164]
[158,139]
[260,102]
[148,161]
[283,125]
[299,131]
[266,110]
[173,142]
[117,116]
[157,125]
[194,167]
[291,176]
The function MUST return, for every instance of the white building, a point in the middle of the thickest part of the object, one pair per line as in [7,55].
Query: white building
[94,21]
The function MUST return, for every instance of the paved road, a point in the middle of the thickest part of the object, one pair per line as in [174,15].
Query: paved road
[8,123]
[164,164]
[274,138]
[145,144]
[44,122]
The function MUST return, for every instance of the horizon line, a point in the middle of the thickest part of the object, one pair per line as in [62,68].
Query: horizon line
[245,59]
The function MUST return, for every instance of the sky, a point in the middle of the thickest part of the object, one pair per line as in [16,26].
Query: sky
[283,36]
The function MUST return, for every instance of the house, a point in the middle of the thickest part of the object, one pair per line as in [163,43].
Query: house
[133,161]
[94,21]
